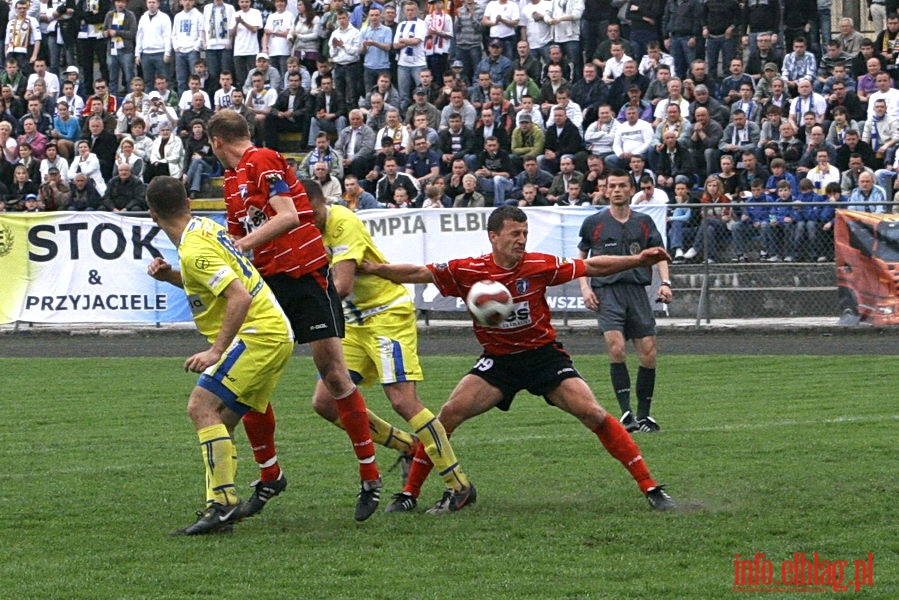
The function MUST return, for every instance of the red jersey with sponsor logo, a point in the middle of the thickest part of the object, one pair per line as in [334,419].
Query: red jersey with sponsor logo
[260,175]
[529,325]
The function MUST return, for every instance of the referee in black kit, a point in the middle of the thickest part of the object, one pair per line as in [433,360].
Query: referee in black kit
[621,299]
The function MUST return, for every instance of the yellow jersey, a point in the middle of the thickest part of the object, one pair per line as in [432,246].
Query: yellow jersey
[209,263]
[346,238]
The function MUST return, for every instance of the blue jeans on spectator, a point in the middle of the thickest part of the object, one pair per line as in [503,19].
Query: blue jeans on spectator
[184,67]
[683,54]
[591,33]
[198,167]
[470,58]
[123,61]
[407,79]
[572,51]
[316,125]
[639,39]
[679,234]
[777,238]
[242,67]
[218,61]
[153,64]
[497,186]
[809,231]
[715,46]
[716,230]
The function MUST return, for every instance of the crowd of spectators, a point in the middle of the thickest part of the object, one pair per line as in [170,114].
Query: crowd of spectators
[467,103]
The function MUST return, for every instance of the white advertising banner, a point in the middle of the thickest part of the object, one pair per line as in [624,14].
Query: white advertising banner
[77,267]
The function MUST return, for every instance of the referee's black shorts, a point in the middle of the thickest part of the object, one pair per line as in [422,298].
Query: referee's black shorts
[625,307]
[538,371]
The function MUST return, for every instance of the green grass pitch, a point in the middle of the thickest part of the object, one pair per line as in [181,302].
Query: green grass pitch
[772,455]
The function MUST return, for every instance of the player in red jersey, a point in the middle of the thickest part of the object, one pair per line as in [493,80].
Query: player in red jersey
[269,215]
[522,353]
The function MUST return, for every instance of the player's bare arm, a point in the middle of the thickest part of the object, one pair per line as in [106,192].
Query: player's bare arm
[398,273]
[599,266]
[344,275]
[160,270]
[284,220]
[238,304]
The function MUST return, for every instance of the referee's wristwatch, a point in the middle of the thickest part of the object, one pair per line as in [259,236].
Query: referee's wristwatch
[665,282]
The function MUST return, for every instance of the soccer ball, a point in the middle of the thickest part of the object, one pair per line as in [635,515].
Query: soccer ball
[489,302]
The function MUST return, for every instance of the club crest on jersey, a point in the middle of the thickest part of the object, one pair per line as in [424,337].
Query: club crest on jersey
[522,286]
[634,248]
[242,190]
[440,266]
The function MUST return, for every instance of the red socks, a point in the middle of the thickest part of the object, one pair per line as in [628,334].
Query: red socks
[619,444]
[354,417]
[260,428]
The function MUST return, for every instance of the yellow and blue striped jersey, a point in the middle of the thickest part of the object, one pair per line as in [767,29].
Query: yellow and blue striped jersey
[209,263]
[346,238]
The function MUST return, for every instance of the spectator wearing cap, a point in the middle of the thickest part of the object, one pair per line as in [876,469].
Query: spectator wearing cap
[344,44]
[499,66]
[30,203]
[73,75]
[271,78]
[527,141]
[54,193]
[153,42]
[66,129]
[420,105]
[125,192]
[120,29]
[409,42]
[247,21]
[764,83]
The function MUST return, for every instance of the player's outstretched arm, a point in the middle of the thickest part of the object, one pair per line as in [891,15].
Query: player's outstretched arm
[598,266]
[398,273]
[237,306]
[163,271]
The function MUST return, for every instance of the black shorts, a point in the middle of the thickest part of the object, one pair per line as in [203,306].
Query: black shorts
[538,371]
[625,307]
[311,304]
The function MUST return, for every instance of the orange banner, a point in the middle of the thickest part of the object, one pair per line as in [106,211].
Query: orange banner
[867,258]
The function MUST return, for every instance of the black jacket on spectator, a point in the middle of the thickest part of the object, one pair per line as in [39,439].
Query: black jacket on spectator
[204,114]
[679,163]
[338,107]
[852,105]
[466,139]
[842,160]
[618,90]
[589,95]
[498,162]
[477,143]
[569,142]
[128,195]
[86,199]
[104,146]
